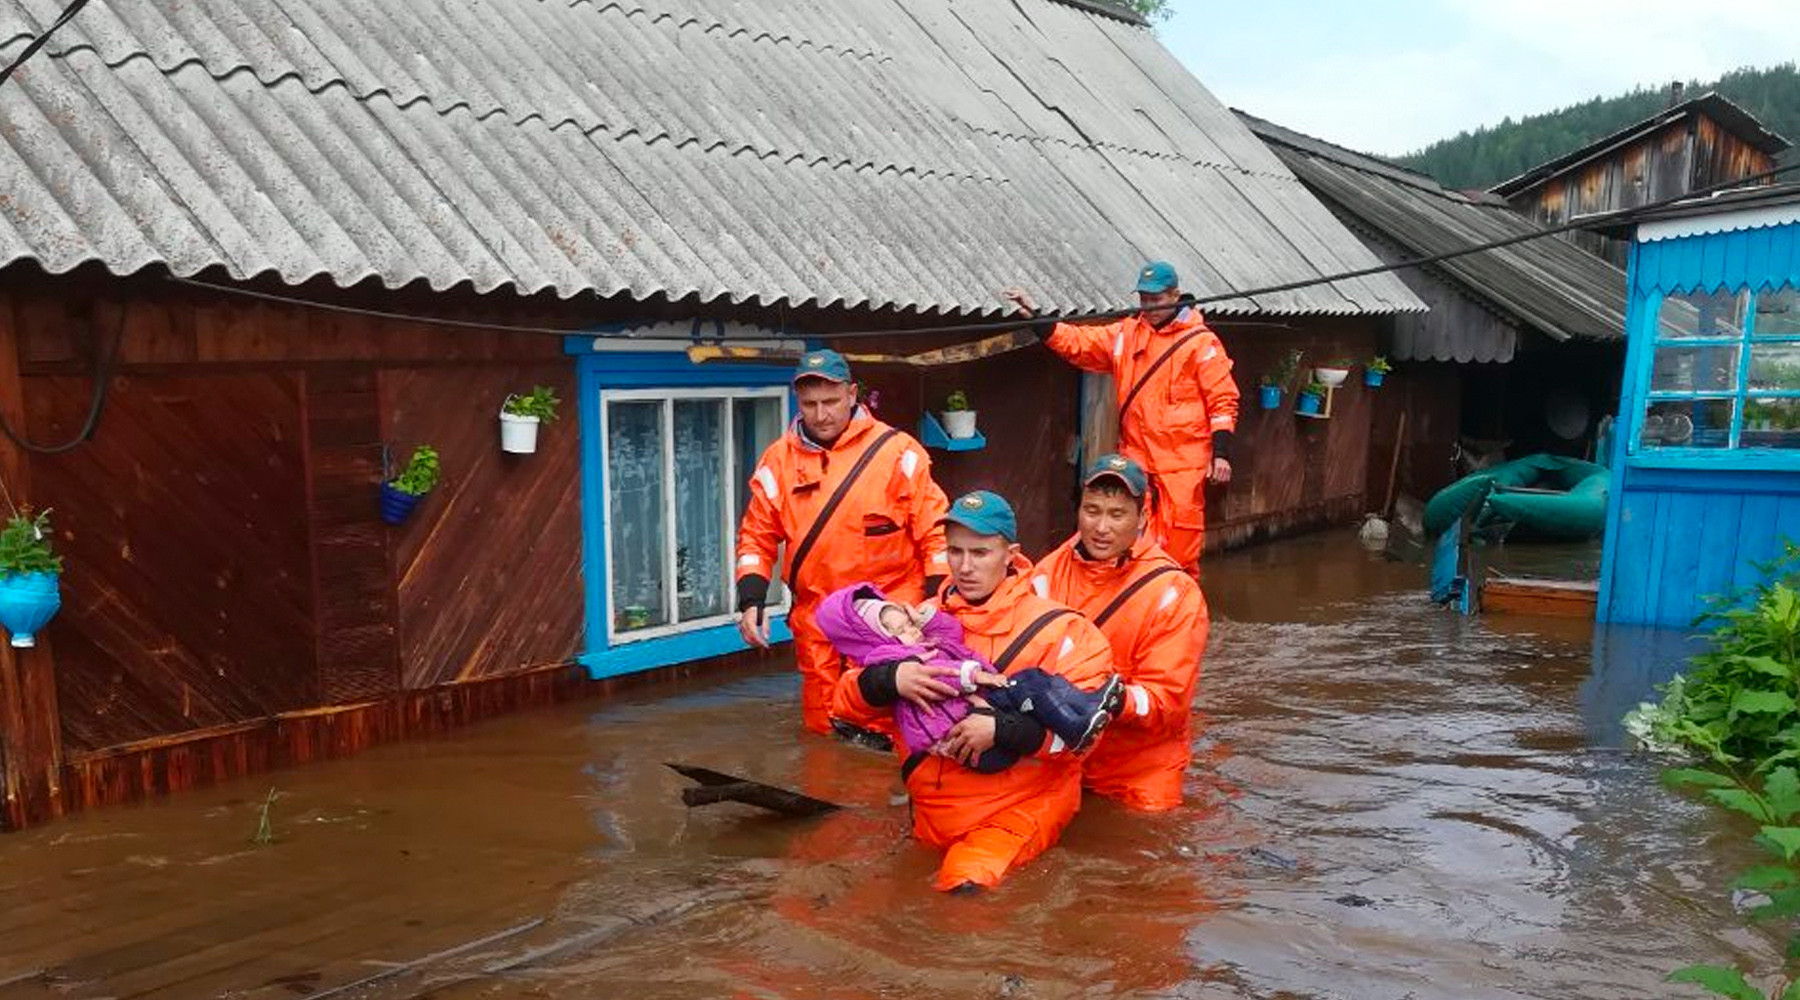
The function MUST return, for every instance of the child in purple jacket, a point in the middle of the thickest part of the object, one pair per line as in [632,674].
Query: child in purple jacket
[866,627]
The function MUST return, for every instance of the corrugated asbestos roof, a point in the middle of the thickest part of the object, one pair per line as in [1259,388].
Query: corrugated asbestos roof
[1548,283]
[912,154]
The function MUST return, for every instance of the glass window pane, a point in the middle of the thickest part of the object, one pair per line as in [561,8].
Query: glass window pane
[1695,369]
[1703,314]
[757,423]
[1687,423]
[1778,313]
[700,497]
[1775,366]
[1771,423]
[634,527]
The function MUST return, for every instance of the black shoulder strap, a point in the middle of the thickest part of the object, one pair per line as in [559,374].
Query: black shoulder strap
[1136,585]
[837,498]
[1144,379]
[1023,639]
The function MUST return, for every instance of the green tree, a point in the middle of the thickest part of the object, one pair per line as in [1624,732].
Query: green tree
[1487,155]
[1152,10]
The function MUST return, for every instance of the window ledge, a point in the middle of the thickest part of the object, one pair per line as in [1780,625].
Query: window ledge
[682,647]
[1741,460]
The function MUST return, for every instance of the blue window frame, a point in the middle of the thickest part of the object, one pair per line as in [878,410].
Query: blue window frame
[1721,380]
[668,446]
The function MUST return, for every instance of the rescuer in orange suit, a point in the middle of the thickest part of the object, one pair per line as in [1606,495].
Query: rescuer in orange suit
[989,823]
[1178,405]
[853,501]
[1154,615]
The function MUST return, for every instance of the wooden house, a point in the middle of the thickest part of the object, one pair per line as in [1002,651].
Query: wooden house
[1691,145]
[1706,462]
[245,269]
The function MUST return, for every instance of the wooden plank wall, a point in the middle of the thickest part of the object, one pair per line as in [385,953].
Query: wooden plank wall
[1663,164]
[489,567]
[1685,535]
[225,567]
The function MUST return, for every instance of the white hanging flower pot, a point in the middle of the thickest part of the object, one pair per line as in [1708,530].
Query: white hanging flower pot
[959,424]
[518,435]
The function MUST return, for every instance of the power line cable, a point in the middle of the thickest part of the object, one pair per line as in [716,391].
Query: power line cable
[39,42]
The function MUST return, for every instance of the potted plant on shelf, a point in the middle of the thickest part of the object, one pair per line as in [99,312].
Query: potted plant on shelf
[959,420]
[1277,381]
[1332,374]
[520,417]
[29,571]
[1311,398]
[400,495]
[1375,371]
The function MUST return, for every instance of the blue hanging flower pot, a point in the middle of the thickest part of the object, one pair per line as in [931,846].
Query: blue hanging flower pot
[1271,397]
[396,505]
[1308,404]
[27,603]
[1372,378]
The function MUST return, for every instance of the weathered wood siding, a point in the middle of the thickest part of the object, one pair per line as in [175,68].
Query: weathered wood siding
[489,566]
[1685,155]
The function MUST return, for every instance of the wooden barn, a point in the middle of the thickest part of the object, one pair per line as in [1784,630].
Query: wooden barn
[1706,464]
[1523,344]
[245,272]
[1691,145]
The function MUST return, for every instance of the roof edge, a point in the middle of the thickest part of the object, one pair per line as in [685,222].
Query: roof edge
[1107,8]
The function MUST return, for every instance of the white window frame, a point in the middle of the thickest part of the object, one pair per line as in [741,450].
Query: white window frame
[668,398]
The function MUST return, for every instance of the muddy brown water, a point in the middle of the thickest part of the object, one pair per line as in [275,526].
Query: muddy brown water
[1388,801]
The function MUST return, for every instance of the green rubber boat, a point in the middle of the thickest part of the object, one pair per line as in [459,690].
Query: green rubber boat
[1540,496]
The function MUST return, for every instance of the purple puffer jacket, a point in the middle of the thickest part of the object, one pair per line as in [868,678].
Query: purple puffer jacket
[855,638]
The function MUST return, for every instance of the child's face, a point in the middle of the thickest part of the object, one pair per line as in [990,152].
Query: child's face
[897,623]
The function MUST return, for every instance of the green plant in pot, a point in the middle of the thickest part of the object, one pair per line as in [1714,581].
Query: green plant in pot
[1312,398]
[401,494]
[1279,379]
[29,573]
[959,419]
[520,417]
[1332,373]
[1376,370]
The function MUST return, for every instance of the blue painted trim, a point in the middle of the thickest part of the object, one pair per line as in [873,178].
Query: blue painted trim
[1719,460]
[1750,258]
[685,647]
[598,371]
[933,435]
[1650,479]
[1623,424]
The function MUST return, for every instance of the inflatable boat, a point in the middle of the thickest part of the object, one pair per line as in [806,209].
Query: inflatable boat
[1540,496]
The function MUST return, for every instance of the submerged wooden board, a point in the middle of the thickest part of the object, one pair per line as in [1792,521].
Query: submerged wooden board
[1535,596]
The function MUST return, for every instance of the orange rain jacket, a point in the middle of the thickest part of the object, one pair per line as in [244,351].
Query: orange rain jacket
[1168,425]
[989,823]
[885,532]
[1158,635]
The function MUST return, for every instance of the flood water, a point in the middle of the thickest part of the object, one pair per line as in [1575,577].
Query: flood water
[1389,801]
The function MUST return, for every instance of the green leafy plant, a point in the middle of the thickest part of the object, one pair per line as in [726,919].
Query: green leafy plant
[1736,708]
[1774,805]
[956,402]
[1314,388]
[25,545]
[421,473]
[1379,365]
[1282,376]
[540,402]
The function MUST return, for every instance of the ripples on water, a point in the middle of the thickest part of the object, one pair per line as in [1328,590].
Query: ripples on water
[1388,801]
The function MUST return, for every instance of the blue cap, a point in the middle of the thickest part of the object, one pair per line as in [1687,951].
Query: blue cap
[826,364]
[1121,468]
[984,513]
[1156,277]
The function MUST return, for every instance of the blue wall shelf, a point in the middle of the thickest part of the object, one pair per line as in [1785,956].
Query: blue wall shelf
[933,435]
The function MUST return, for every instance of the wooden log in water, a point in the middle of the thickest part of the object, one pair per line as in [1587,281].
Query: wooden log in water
[716,786]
